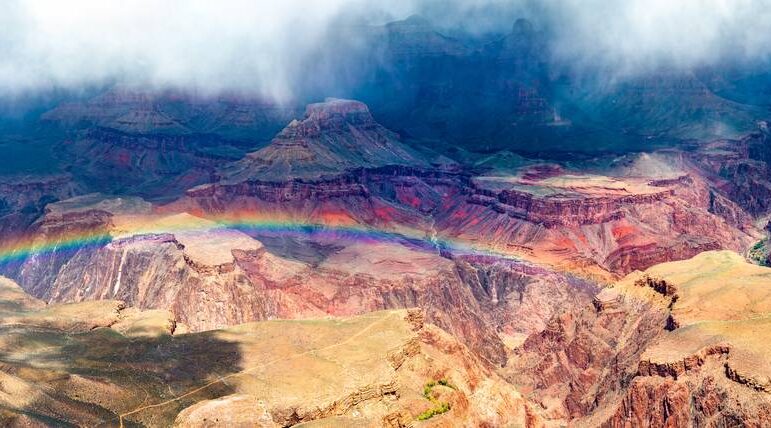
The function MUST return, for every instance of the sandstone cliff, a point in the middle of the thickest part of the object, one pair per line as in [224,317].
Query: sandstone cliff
[681,345]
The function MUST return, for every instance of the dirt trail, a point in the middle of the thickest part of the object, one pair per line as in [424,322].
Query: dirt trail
[122,416]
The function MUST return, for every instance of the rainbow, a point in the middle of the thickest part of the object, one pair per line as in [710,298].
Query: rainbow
[253,224]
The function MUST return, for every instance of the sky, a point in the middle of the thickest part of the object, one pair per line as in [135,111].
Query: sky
[259,46]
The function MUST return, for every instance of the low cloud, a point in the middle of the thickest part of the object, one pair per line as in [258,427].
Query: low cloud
[207,45]
[634,37]
[260,46]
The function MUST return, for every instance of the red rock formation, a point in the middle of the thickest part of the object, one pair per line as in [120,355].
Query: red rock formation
[616,230]
[23,199]
[333,137]
[582,359]
[702,400]
[616,365]
[480,300]
[740,168]
[554,212]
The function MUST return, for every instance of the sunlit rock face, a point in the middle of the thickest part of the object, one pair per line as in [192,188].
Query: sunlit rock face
[653,341]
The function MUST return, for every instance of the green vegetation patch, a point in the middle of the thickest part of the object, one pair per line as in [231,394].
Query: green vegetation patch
[439,407]
[759,252]
[438,410]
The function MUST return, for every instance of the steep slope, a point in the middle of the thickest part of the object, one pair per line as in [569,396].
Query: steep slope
[333,137]
[682,344]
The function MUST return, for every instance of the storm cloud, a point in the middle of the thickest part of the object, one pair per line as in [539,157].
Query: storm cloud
[259,46]
[639,36]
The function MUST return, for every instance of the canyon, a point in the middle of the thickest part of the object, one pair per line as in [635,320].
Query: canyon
[471,236]
[530,280]
[91,362]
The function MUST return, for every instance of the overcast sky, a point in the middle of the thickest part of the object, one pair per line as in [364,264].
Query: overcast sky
[256,45]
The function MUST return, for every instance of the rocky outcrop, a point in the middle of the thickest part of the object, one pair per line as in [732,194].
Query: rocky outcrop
[740,168]
[562,211]
[623,362]
[585,358]
[23,199]
[747,380]
[661,286]
[333,137]
[294,416]
[708,400]
[675,369]
[150,165]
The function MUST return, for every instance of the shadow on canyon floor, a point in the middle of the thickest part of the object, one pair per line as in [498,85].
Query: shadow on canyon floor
[95,377]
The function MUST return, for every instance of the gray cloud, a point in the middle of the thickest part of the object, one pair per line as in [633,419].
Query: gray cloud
[638,36]
[259,45]
[204,44]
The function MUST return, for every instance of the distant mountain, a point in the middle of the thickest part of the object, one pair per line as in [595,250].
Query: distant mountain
[511,94]
[168,112]
[334,136]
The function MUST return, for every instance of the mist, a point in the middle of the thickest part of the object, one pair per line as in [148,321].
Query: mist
[263,47]
[634,37]
[208,46]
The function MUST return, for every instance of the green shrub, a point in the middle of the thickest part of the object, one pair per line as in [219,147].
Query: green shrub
[759,252]
[440,407]
[427,392]
[444,382]
[438,410]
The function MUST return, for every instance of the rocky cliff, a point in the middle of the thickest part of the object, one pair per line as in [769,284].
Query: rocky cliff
[657,349]
[741,168]
[23,199]
[599,223]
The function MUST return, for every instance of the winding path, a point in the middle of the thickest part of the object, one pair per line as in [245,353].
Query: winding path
[221,379]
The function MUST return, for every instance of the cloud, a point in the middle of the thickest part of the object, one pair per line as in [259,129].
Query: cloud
[632,37]
[191,43]
[260,46]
